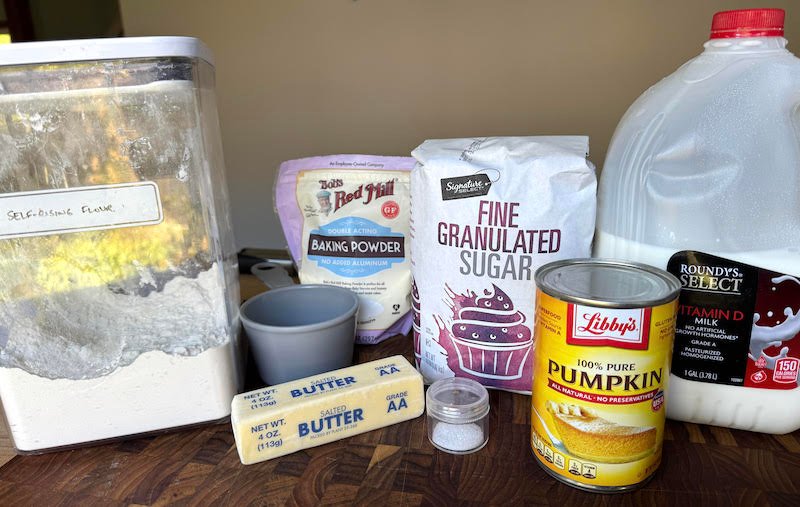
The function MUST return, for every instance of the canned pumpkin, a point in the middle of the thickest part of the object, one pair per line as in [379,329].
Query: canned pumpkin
[603,343]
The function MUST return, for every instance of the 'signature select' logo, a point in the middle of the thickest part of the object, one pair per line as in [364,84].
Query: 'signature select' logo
[463,187]
[621,328]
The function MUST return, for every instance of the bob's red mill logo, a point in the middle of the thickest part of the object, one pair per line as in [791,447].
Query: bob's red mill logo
[365,193]
[622,328]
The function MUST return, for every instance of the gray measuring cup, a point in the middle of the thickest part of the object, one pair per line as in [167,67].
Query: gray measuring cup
[301,330]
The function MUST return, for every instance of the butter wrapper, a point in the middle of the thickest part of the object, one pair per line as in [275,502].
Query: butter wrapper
[285,418]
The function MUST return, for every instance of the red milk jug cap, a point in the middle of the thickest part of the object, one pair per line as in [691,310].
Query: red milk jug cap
[747,23]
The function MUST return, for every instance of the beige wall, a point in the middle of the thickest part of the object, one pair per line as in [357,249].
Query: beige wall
[300,78]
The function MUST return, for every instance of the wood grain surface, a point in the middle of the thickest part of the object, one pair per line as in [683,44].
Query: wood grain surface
[702,465]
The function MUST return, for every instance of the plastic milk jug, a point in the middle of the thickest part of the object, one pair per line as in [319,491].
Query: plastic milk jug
[702,178]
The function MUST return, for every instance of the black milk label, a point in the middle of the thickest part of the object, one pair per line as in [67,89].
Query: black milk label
[462,187]
[60,211]
[737,324]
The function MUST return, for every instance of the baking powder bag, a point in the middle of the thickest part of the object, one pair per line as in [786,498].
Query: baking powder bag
[346,220]
[486,212]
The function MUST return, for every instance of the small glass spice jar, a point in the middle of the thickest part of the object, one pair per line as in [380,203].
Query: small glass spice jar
[458,410]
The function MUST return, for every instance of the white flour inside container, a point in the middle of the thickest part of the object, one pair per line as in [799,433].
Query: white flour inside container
[178,370]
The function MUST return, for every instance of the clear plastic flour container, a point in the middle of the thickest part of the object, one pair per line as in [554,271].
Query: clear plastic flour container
[118,284]
[703,178]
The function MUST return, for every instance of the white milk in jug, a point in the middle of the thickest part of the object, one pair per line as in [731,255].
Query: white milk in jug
[701,178]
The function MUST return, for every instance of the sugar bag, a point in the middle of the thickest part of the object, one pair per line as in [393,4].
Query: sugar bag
[486,212]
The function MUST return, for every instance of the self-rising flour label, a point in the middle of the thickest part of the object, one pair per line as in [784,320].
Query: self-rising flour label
[70,210]
[486,213]
[737,324]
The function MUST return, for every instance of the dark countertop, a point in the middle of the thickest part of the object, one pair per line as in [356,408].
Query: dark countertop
[397,466]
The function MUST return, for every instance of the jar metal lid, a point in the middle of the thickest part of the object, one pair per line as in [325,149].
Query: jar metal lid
[457,400]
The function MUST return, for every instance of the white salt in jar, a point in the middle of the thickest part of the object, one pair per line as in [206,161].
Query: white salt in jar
[458,410]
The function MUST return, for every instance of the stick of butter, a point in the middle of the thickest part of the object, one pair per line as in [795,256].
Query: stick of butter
[312,411]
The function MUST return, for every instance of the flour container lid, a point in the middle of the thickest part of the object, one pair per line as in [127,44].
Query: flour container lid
[84,50]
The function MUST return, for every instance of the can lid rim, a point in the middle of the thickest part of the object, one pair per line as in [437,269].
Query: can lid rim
[666,296]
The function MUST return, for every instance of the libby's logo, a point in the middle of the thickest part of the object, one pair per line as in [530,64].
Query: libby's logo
[598,325]
[621,328]
[365,193]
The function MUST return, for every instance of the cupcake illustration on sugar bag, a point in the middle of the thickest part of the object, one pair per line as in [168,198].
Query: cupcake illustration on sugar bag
[490,336]
[485,214]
